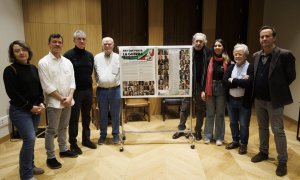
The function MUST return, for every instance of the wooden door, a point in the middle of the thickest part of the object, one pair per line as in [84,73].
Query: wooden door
[232,21]
[126,21]
[182,19]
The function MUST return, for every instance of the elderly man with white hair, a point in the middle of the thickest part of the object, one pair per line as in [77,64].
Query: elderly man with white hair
[107,74]
[201,56]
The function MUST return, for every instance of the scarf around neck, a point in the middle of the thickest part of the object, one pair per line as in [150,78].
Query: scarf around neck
[210,69]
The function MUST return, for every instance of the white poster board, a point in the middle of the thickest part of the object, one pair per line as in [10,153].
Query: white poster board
[155,71]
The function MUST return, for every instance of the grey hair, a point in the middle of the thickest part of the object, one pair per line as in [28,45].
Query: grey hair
[242,46]
[201,36]
[79,33]
[107,39]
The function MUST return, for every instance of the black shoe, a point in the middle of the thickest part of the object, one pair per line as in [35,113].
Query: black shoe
[198,136]
[259,157]
[68,153]
[101,140]
[243,149]
[76,149]
[281,169]
[53,163]
[89,144]
[178,135]
[232,145]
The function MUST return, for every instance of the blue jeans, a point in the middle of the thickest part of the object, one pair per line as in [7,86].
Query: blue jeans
[239,120]
[26,123]
[215,113]
[83,102]
[109,100]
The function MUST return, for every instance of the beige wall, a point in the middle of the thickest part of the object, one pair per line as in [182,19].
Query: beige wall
[12,28]
[283,15]
[42,18]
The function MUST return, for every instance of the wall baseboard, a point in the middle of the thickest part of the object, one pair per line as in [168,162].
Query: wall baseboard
[3,121]
[290,120]
[4,138]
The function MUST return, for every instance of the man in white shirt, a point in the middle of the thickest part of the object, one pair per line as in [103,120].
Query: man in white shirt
[107,74]
[58,83]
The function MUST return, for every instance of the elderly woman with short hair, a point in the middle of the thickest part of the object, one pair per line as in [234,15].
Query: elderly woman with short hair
[238,80]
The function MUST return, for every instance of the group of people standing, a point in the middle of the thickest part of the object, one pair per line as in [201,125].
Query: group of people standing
[62,84]
[219,81]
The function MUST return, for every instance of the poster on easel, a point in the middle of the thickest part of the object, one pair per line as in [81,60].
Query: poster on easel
[155,71]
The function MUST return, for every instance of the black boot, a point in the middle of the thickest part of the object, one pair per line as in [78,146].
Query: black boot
[198,135]
[281,169]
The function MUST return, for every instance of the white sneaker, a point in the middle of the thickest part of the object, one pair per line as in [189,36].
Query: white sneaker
[206,141]
[219,142]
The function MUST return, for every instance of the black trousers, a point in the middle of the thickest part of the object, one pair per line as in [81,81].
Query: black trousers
[200,108]
[83,102]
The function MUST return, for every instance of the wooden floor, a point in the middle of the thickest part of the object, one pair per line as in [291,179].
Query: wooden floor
[158,156]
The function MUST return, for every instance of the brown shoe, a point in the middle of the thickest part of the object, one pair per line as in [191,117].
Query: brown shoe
[232,145]
[38,171]
[243,149]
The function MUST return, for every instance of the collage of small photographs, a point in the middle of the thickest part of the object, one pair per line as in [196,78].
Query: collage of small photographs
[184,71]
[138,88]
[163,69]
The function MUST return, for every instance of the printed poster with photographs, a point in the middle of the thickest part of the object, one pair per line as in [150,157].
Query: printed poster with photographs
[174,72]
[137,67]
[155,71]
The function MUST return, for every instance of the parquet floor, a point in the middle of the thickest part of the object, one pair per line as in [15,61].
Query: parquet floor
[158,156]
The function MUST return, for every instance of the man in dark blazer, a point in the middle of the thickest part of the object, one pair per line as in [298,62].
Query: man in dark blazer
[274,71]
